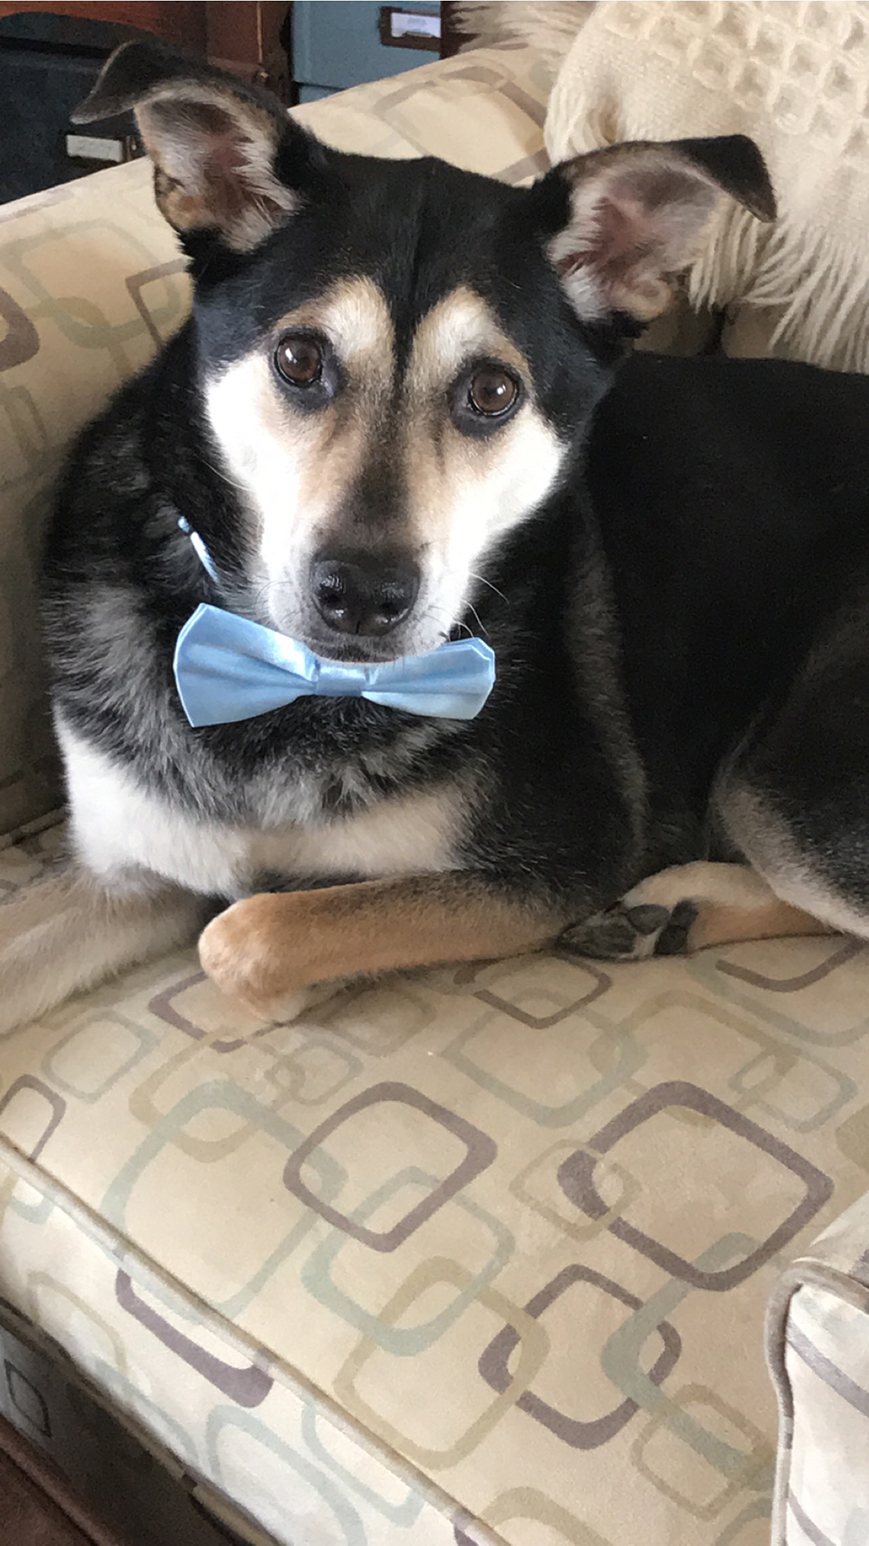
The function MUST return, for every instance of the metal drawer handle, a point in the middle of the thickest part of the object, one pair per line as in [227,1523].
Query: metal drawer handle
[402,28]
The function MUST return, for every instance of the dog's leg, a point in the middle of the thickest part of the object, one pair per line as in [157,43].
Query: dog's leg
[796,799]
[268,951]
[795,802]
[687,908]
[69,933]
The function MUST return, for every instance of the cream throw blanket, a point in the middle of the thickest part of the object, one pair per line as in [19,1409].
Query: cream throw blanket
[795,76]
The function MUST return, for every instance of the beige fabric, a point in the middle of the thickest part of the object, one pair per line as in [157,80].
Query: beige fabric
[92,281]
[483,112]
[794,76]
[480,1255]
[818,1343]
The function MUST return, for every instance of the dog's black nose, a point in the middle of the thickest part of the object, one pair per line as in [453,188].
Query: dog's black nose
[363,595]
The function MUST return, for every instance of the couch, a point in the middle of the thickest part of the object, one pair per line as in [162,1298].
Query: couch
[480,1255]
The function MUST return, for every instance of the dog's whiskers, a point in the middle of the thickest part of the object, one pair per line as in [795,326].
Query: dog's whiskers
[473,609]
[219,473]
[483,581]
[445,632]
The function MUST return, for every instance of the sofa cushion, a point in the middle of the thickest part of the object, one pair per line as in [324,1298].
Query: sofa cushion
[477,1255]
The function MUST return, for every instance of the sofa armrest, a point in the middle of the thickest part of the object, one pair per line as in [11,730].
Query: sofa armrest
[818,1350]
[90,282]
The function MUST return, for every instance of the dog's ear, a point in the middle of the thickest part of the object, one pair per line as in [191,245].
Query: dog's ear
[227,158]
[637,214]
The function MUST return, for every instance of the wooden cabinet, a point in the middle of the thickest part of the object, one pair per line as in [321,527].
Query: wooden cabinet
[177,21]
[333,44]
[241,35]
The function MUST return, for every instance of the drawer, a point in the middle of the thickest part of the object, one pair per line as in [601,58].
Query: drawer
[337,44]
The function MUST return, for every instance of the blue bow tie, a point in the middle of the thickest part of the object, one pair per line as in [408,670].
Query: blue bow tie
[228,668]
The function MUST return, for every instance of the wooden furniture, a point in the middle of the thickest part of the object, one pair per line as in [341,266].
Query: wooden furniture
[253,37]
[247,36]
[53,49]
[38,1506]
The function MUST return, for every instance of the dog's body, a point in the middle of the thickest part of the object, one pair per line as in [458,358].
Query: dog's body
[677,604]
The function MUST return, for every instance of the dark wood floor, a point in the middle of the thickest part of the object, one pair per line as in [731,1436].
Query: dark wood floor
[37,1506]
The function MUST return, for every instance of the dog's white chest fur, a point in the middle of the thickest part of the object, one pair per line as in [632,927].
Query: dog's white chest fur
[120,829]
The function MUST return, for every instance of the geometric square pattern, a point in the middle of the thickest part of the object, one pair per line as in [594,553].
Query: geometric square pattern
[480,1152]
[579,1435]
[467,1425]
[576,1176]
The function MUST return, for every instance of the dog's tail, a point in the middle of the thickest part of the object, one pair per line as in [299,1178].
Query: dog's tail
[69,933]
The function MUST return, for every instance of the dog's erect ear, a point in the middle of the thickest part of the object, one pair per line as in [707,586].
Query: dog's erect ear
[226,156]
[637,213]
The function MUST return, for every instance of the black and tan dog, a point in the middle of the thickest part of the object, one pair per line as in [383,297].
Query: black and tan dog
[400,415]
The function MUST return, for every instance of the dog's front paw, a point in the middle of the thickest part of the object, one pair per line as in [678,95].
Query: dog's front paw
[245,952]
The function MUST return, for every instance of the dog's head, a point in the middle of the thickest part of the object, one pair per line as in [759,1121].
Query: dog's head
[398,360]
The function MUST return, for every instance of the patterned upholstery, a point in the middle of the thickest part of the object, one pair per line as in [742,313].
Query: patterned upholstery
[478,1256]
[481,1256]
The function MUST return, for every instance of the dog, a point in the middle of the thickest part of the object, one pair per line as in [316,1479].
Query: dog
[407,411]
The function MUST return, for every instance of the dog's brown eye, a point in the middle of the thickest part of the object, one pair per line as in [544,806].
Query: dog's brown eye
[492,391]
[299,359]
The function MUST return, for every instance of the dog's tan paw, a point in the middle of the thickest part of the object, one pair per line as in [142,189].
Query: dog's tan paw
[292,1006]
[247,953]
